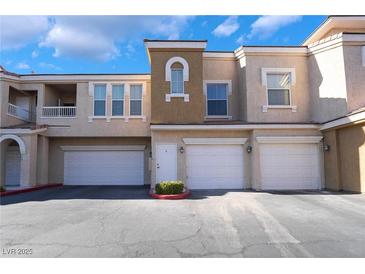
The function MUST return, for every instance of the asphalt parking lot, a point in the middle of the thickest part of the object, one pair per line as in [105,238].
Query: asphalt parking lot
[126,222]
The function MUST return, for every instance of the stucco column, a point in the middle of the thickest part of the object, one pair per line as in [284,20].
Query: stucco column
[42,160]
[332,161]
[3,146]
[255,163]
[28,163]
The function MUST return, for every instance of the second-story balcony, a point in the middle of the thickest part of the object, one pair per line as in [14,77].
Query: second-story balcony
[21,113]
[22,104]
[59,112]
[59,101]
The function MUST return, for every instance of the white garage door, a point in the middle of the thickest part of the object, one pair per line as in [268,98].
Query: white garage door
[214,166]
[12,167]
[290,166]
[103,168]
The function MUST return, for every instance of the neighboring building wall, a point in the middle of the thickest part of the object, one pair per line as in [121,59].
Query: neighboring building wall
[224,69]
[56,154]
[257,94]
[177,111]
[345,161]
[355,76]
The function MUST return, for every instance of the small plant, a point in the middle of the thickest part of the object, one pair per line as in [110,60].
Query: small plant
[170,187]
[2,189]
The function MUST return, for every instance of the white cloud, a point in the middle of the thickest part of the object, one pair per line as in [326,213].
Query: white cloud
[99,37]
[22,65]
[241,39]
[49,66]
[17,31]
[35,54]
[229,26]
[266,26]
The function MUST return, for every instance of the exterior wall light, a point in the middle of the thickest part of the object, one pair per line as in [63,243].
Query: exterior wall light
[182,150]
[249,149]
[326,147]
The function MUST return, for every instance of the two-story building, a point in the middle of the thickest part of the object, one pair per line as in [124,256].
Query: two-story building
[263,118]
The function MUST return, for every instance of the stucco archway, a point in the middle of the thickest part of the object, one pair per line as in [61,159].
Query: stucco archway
[16,139]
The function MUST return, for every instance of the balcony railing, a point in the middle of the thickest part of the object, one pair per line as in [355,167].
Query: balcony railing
[58,112]
[21,113]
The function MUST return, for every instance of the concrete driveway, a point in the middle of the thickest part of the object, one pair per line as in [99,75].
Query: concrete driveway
[125,222]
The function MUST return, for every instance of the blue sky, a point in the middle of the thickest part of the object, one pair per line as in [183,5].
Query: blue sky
[114,44]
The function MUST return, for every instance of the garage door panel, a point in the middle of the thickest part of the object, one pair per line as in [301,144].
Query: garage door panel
[104,168]
[12,168]
[234,172]
[290,166]
[215,166]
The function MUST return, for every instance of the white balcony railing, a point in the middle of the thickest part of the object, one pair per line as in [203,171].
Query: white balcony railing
[58,112]
[21,113]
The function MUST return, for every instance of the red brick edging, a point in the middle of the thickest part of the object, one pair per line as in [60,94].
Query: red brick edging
[171,196]
[12,192]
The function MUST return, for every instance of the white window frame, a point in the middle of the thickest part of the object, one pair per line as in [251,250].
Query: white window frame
[264,73]
[124,91]
[108,112]
[183,86]
[142,116]
[168,78]
[229,93]
[106,101]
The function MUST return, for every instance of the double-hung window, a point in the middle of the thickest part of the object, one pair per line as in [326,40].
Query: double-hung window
[217,99]
[278,89]
[177,81]
[117,100]
[99,99]
[135,100]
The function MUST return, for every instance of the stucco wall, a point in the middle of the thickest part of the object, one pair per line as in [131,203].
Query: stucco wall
[56,154]
[331,161]
[355,76]
[177,111]
[346,158]
[339,30]
[327,85]
[257,94]
[5,119]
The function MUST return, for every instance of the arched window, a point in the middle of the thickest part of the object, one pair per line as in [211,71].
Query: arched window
[177,72]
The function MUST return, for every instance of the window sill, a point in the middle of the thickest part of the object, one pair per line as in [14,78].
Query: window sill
[168,96]
[91,118]
[109,118]
[137,117]
[265,108]
[217,117]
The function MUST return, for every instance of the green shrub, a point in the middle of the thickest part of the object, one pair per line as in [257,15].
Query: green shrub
[170,187]
[2,189]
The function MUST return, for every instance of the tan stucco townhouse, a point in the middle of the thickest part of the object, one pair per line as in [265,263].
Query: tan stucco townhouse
[263,118]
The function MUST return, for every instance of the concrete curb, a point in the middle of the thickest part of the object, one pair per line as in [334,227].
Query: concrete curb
[13,192]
